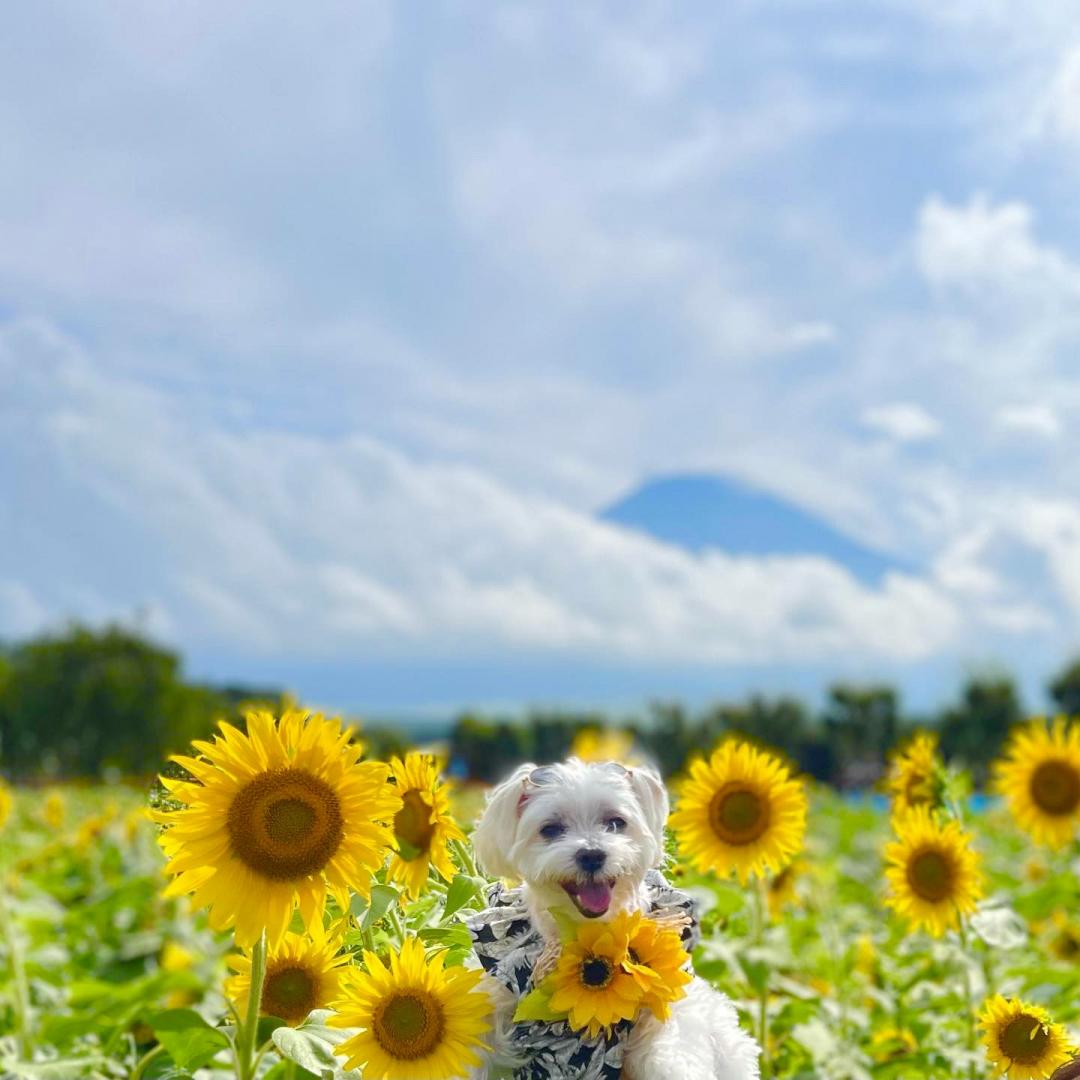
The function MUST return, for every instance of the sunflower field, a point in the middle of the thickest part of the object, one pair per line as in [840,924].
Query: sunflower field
[281,906]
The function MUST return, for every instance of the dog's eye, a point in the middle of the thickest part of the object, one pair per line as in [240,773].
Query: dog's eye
[615,824]
[553,830]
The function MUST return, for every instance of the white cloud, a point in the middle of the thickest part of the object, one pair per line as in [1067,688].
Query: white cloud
[1058,115]
[903,421]
[1036,419]
[989,249]
[325,545]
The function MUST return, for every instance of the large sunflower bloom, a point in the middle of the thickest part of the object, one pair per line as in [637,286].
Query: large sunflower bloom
[424,826]
[273,819]
[914,774]
[417,1020]
[1021,1040]
[933,873]
[302,973]
[591,981]
[740,811]
[7,801]
[1040,779]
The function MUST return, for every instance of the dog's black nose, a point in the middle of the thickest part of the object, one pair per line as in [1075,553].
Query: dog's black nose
[591,859]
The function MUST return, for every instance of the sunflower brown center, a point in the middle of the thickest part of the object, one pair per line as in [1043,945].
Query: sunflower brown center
[930,875]
[1055,788]
[289,993]
[1024,1039]
[408,1025]
[738,815]
[413,829]
[285,824]
[596,972]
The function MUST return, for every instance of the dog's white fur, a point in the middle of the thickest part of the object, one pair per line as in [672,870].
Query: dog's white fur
[702,1039]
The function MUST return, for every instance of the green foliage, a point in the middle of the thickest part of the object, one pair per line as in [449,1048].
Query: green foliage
[1064,689]
[974,730]
[839,988]
[85,701]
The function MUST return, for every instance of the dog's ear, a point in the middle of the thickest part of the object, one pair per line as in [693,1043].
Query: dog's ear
[494,833]
[652,796]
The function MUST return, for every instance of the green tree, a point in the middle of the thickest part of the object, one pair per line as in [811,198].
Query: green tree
[975,729]
[1065,689]
[670,736]
[83,700]
[781,724]
[862,724]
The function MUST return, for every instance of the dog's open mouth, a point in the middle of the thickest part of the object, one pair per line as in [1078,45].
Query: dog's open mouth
[592,898]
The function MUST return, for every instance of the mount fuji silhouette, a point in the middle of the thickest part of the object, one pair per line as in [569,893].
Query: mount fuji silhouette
[699,512]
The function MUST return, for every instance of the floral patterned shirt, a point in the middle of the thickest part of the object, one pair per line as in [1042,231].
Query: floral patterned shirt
[509,946]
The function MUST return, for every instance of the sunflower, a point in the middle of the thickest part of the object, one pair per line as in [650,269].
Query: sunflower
[303,972]
[1064,943]
[658,953]
[933,872]
[1040,779]
[423,827]
[914,777]
[603,744]
[740,811]
[54,810]
[893,1044]
[1021,1040]
[273,819]
[417,1020]
[591,982]
[7,801]
[780,891]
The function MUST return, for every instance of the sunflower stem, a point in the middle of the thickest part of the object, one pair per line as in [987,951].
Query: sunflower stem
[144,1061]
[760,916]
[245,1043]
[969,995]
[467,862]
[395,922]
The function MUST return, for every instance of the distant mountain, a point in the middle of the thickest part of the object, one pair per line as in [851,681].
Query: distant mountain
[698,512]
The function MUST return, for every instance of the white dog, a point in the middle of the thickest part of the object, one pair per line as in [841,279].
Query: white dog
[589,840]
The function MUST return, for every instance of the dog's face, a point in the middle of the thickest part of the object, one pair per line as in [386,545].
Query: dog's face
[580,835]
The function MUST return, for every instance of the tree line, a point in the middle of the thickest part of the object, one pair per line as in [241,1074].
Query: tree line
[846,743]
[84,702]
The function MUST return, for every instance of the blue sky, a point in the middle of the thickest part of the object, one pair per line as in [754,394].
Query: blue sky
[326,333]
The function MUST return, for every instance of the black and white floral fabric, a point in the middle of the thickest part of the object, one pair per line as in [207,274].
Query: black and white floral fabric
[509,946]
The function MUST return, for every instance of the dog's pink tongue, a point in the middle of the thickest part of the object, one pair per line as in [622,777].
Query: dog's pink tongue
[595,897]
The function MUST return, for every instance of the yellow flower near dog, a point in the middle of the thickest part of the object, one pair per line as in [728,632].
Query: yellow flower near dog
[417,1020]
[933,872]
[1040,779]
[610,971]
[658,952]
[272,819]
[740,811]
[424,826]
[592,983]
[302,973]
[1021,1040]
